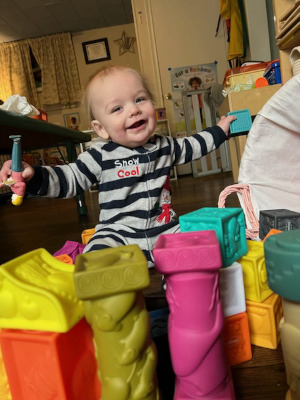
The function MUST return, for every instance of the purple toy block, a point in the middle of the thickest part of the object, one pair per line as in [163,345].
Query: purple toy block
[190,262]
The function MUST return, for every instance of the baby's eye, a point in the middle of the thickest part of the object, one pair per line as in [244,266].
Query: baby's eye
[139,99]
[116,109]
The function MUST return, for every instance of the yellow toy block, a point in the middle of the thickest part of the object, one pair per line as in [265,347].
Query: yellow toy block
[37,293]
[4,385]
[264,319]
[86,235]
[255,273]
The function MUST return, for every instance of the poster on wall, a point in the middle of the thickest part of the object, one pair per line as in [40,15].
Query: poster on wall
[189,78]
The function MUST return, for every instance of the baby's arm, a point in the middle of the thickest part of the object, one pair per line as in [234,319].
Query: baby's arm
[225,122]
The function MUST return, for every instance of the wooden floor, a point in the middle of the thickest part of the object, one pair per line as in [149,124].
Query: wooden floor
[49,223]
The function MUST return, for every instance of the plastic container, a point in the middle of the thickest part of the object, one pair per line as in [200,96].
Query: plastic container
[272,73]
[244,75]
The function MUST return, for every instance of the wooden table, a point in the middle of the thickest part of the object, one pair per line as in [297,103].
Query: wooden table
[37,134]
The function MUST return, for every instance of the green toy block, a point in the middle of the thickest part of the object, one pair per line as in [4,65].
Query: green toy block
[282,255]
[229,225]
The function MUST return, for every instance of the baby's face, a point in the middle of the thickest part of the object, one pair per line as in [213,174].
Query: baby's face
[122,108]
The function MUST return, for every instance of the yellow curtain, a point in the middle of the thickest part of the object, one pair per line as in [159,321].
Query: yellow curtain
[16,76]
[60,79]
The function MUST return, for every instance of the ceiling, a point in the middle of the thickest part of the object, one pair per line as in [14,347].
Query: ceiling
[23,19]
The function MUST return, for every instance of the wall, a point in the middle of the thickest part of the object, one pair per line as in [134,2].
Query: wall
[129,59]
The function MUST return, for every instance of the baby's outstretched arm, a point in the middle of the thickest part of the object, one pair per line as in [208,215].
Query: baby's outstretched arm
[225,122]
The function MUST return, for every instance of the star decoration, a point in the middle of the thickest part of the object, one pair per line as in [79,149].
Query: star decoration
[125,44]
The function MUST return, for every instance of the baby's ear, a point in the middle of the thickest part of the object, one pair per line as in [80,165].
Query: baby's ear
[99,129]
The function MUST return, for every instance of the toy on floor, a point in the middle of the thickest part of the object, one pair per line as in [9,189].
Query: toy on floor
[42,325]
[190,262]
[282,252]
[16,181]
[110,282]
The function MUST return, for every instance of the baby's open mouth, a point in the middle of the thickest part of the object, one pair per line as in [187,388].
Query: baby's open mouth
[137,124]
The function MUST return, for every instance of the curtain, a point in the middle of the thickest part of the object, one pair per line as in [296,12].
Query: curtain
[60,79]
[16,76]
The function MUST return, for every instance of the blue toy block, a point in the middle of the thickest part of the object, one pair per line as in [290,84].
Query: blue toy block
[242,124]
[229,225]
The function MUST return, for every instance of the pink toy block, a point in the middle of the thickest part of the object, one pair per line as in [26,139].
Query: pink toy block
[50,365]
[190,262]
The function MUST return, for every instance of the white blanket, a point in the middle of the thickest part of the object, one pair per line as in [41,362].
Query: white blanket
[270,164]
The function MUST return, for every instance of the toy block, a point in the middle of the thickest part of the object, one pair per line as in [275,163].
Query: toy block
[44,365]
[65,258]
[282,254]
[86,235]
[190,263]
[4,385]
[242,124]
[236,337]
[37,292]
[290,339]
[264,321]
[271,232]
[229,225]
[232,290]
[111,282]
[284,220]
[255,273]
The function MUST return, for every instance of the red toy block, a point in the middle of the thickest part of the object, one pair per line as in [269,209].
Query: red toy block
[51,365]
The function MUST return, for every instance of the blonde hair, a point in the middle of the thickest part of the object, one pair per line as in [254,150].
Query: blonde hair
[101,74]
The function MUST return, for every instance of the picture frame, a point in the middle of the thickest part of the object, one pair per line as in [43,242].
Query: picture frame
[72,121]
[161,113]
[96,51]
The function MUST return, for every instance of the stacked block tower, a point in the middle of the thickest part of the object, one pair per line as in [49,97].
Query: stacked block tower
[211,238]
[110,283]
[282,253]
[42,325]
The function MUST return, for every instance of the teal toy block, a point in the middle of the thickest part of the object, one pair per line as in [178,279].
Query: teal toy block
[242,124]
[282,256]
[229,225]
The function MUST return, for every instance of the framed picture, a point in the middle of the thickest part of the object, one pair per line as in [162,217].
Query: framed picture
[96,51]
[72,121]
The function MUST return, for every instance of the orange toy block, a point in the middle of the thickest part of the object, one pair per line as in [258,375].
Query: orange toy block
[4,385]
[86,235]
[272,232]
[236,337]
[264,319]
[50,365]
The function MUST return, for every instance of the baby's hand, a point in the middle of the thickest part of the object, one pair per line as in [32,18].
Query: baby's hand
[6,172]
[225,122]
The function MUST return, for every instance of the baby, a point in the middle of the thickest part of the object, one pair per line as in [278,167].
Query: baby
[131,166]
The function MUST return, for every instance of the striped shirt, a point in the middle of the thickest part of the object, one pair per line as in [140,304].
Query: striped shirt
[130,181]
